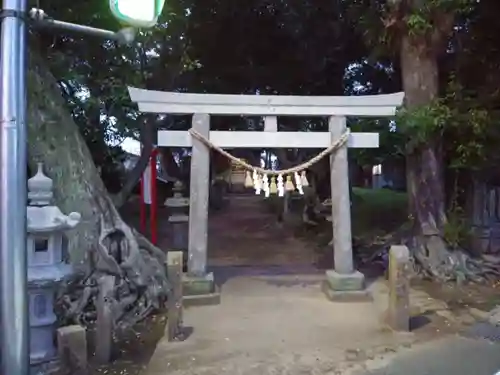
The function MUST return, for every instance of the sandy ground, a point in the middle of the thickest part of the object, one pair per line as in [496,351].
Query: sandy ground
[283,325]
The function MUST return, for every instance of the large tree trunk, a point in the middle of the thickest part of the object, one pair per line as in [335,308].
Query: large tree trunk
[102,244]
[425,177]
[424,160]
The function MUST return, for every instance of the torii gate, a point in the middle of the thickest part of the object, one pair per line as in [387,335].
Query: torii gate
[344,278]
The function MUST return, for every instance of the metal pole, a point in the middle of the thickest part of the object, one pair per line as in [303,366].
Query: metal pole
[41,19]
[14,328]
[81,29]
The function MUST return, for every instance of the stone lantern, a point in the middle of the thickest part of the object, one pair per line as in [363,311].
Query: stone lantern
[46,267]
[238,174]
[178,208]
[237,178]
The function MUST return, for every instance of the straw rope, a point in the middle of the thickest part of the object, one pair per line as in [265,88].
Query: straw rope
[301,167]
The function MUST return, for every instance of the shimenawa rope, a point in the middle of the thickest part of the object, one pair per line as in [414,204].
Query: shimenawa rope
[301,167]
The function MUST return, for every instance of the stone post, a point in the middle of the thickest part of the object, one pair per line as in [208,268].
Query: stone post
[398,314]
[343,282]
[72,347]
[104,320]
[175,303]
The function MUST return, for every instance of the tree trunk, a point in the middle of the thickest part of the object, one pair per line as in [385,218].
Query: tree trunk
[54,139]
[424,161]
[102,244]
[425,177]
[168,163]
[147,131]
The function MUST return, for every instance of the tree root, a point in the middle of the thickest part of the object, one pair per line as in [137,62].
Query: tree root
[435,259]
[138,267]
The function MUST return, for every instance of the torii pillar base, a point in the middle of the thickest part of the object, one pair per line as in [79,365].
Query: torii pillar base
[200,290]
[349,287]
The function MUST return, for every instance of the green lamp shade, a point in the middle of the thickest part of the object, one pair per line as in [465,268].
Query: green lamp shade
[138,13]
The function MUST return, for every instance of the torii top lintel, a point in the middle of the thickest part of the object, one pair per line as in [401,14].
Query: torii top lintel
[266,105]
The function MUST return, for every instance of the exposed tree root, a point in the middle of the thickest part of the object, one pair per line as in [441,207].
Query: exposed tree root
[438,260]
[434,258]
[137,267]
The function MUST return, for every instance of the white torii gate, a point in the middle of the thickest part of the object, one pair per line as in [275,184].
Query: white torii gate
[343,278]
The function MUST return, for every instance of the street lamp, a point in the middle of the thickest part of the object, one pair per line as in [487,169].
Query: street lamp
[137,13]
[14,323]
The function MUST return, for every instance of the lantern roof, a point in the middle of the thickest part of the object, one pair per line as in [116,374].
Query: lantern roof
[41,215]
[50,219]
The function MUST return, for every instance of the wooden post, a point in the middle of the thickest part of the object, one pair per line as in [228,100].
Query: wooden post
[199,193]
[341,203]
[398,314]
[174,272]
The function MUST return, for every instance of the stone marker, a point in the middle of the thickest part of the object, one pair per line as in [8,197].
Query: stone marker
[72,347]
[398,314]
[104,321]
[174,303]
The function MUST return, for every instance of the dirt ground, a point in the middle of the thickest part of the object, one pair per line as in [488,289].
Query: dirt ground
[272,323]
[482,297]
[248,234]
[245,233]
[273,316]
[276,319]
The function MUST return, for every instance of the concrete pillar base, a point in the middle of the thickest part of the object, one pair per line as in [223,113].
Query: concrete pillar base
[200,290]
[346,287]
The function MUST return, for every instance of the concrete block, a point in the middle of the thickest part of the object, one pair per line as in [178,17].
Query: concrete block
[196,285]
[203,299]
[354,281]
[350,287]
[72,347]
[346,295]
[200,291]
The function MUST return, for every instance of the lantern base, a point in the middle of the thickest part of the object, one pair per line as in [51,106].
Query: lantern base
[42,348]
[51,367]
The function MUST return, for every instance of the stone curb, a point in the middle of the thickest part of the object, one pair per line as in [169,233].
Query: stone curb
[492,317]
[480,314]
